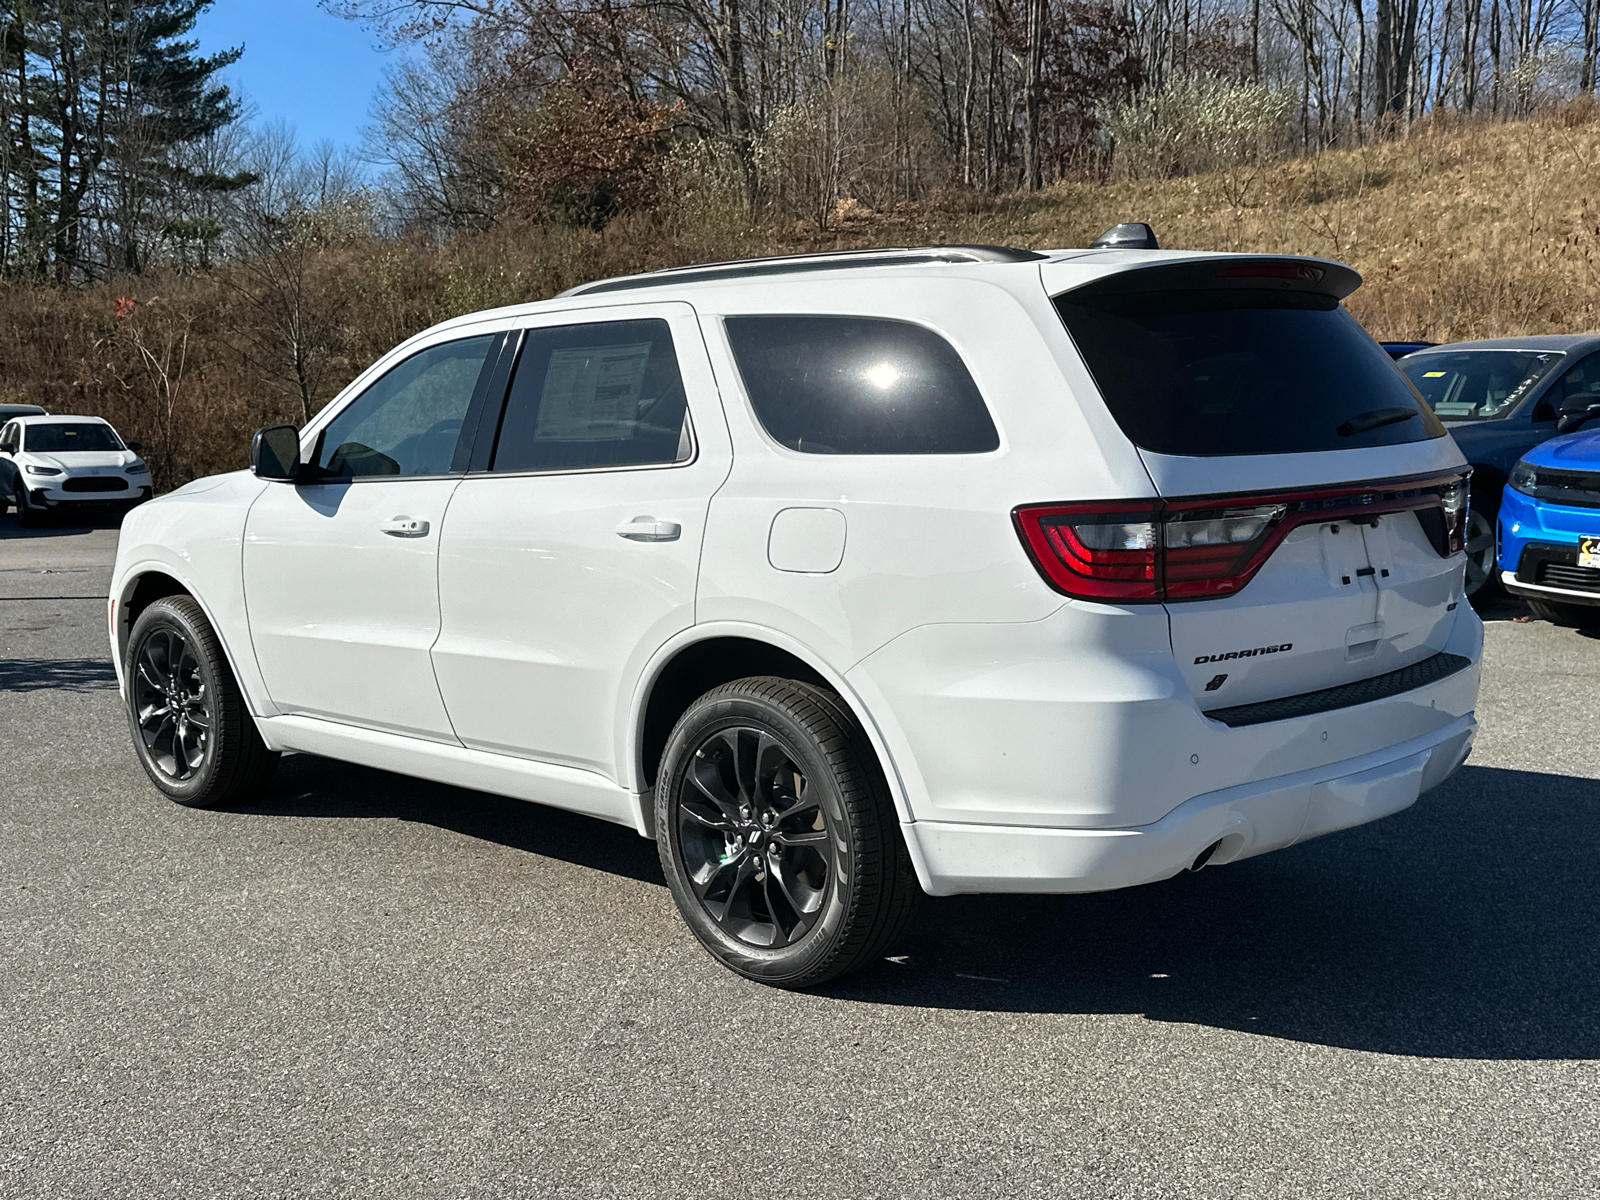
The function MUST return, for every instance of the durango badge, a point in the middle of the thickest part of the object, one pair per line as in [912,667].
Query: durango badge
[1211,658]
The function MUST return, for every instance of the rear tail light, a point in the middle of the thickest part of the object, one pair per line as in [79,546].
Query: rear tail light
[1152,550]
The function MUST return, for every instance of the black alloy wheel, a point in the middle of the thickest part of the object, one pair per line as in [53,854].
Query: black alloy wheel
[191,729]
[754,838]
[172,704]
[777,835]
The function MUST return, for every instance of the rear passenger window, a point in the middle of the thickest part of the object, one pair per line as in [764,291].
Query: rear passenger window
[602,395]
[859,385]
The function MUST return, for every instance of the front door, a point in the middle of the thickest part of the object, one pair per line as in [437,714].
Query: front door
[341,571]
[567,563]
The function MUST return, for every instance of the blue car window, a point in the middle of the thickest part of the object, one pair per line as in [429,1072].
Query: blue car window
[1477,385]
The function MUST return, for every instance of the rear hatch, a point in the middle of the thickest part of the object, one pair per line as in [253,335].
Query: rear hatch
[1308,533]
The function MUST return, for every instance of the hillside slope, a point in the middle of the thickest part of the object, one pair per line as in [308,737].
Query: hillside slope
[1472,231]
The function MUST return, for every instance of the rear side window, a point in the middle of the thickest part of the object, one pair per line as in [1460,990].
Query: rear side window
[1242,371]
[606,394]
[859,385]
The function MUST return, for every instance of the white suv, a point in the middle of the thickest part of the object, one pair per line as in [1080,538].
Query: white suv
[955,570]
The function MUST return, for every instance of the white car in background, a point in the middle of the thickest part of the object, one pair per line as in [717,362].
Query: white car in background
[60,464]
[845,578]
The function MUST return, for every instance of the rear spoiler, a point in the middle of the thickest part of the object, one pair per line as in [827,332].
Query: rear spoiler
[1253,272]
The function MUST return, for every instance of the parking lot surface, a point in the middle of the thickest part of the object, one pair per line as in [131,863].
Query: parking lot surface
[366,985]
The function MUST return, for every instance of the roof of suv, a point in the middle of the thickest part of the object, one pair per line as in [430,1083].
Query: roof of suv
[1064,269]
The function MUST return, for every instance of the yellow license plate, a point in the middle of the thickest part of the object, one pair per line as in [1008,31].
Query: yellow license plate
[1589,552]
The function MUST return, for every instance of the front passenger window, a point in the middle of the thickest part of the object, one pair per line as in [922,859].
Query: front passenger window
[409,420]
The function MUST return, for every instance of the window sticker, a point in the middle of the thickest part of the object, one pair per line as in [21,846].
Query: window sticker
[592,394]
[1433,374]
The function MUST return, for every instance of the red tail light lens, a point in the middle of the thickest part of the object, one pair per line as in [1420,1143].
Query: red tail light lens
[1097,551]
[1152,550]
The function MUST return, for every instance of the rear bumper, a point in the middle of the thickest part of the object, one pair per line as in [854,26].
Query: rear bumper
[1240,821]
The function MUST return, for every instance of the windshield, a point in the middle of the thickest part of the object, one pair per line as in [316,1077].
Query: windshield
[1227,371]
[53,439]
[1477,385]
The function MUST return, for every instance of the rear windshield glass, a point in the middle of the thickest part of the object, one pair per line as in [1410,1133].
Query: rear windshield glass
[859,385]
[1478,385]
[51,439]
[1223,372]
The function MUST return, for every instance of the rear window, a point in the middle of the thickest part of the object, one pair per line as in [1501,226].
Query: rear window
[1241,371]
[1478,385]
[53,438]
[859,385]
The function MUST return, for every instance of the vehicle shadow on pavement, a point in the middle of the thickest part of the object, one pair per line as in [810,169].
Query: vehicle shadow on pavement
[308,786]
[59,674]
[1465,927]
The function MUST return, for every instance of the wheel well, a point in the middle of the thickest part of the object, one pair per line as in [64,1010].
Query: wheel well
[152,586]
[699,668]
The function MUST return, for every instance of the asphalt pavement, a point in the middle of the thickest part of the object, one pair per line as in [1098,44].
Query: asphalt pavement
[364,985]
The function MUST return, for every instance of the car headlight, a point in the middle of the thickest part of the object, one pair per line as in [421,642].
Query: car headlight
[32,469]
[136,468]
[1524,478]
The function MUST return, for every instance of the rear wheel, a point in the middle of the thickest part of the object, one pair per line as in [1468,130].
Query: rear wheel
[1482,570]
[777,835]
[194,736]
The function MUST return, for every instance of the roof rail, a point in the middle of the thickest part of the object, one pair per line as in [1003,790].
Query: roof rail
[796,263]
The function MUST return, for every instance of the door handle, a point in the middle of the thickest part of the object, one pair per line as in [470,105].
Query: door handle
[407,527]
[648,529]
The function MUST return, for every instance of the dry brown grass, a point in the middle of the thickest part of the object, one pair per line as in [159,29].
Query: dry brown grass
[1460,230]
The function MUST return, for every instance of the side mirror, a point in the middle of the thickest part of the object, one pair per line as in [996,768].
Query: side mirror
[1575,420]
[134,446]
[275,453]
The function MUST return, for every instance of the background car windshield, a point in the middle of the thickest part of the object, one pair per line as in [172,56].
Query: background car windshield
[53,439]
[1241,371]
[1478,385]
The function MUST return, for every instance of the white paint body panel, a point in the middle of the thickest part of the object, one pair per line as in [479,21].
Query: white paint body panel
[1030,742]
[342,615]
[548,614]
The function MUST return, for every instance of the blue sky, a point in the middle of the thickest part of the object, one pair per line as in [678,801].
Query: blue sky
[314,72]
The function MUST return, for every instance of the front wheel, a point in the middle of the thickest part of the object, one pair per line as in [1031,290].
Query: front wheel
[194,736]
[1581,615]
[26,515]
[777,835]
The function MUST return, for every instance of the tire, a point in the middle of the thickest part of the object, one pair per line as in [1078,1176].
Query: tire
[777,835]
[210,754]
[1581,616]
[1483,573]
[26,517]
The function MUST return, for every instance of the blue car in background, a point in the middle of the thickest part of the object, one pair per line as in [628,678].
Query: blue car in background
[1499,398]
[1550,530]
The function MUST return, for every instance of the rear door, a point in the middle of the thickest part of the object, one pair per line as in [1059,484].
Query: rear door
[1268,418]
[572,555]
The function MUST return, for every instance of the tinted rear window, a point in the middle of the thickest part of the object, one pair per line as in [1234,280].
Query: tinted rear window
[1242,372]
[859,385]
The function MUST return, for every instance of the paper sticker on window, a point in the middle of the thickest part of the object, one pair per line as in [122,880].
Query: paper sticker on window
[1433,374]
[592,394]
